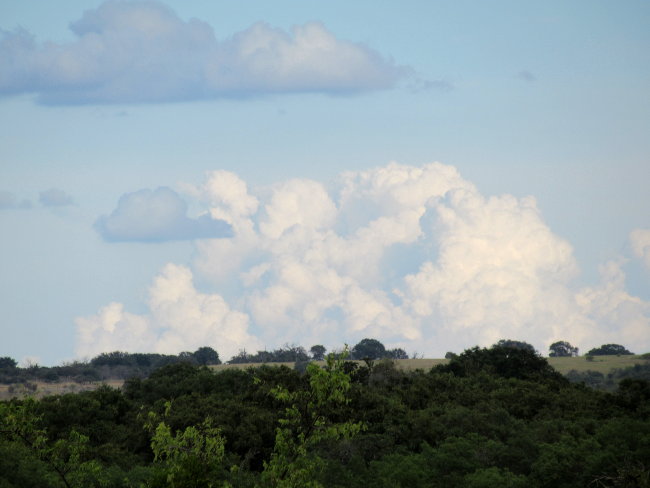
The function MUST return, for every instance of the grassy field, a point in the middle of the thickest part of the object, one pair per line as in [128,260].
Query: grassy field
[58,388]
[404,364]
[602,364]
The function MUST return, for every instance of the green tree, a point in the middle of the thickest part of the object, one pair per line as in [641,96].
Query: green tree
[397,353]
[561,349]
[515,344]
[191,458]
[494,478]
[368,349]
[609,350]
[206,355]
[318,352]
[7,363]
[66,457]
[504,361]
[306,423]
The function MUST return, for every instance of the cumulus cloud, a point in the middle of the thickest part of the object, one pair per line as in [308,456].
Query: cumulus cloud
[616,316]
[9,201]
[157,216]
[414,256]
[54,197]
[180,318]
[142,52]
[640,239]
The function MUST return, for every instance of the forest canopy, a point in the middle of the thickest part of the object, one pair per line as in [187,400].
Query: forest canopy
[497,416]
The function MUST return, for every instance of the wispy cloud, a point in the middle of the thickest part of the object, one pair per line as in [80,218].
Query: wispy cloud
[55,197]
[414,256]
[527,76]
[157,216]
[142,52]
[418,85]
[9,201]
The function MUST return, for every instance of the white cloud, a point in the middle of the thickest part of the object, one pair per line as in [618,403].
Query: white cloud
[300,203]
[414,256]
[180,319]
[500,272]
[157,216]
[617,316]
[640,239]
[143,52]
[113,329]
[228,198]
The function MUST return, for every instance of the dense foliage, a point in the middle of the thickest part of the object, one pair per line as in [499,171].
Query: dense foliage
[110,365]
[609,350]
[562,349]
[285,354]
[611,380]
[497,417]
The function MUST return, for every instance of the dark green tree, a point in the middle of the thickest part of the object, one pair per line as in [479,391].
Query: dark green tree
[397,353]
[189,458]
[309,420]
[515,344]
[368,349]
[561,349]
[504,361]
[318,352]
[7,363]
[66,458]
[241,357]
[609,350]
[206,355]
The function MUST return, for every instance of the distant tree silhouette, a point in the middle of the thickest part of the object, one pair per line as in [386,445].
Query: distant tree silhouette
[318,352]
[368,349]
[609,350]
[7,363]
[561,349]
[206,355]
[397,353]
[514,344]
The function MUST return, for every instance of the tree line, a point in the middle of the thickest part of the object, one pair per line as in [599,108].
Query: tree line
[123,365]
[490,417]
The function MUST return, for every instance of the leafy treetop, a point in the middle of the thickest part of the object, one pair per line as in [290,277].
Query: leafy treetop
[609,350]
[562,349]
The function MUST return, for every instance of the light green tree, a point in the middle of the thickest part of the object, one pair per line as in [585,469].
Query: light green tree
[65,458]
[191,458]
[307,423]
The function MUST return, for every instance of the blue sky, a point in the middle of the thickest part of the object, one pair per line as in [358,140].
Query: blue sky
[182,174]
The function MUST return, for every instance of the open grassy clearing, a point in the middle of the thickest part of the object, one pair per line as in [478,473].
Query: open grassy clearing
[602,364]
[404,364]
[43,389]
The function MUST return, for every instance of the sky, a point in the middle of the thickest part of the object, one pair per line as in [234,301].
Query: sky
[245,175]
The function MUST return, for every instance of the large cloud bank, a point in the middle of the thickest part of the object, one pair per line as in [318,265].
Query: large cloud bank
[414,256]
[142,52]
